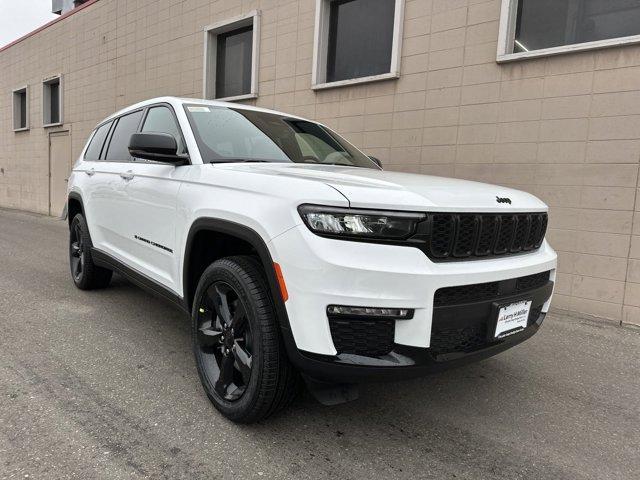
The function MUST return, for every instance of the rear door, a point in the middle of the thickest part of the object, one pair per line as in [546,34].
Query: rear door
[93,181]
[151,190]
[111,212]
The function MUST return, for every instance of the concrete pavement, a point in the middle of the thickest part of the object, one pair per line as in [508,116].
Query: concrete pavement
[103,385]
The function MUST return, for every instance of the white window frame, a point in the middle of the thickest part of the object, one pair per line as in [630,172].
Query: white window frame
[46,103]
[211,33]
[321,46]
[14,92]
[506,38]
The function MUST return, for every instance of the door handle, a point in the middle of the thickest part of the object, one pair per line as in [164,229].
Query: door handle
[128,175]
[91,172]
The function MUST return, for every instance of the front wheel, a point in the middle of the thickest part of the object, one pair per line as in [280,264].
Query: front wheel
[238,349]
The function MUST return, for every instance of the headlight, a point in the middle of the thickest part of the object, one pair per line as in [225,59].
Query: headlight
[353,223]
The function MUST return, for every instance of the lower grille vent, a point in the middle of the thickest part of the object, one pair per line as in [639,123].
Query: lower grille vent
[369,338]
[467,339]
[487,291]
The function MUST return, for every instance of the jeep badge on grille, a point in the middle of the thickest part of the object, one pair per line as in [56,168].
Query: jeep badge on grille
[503,200]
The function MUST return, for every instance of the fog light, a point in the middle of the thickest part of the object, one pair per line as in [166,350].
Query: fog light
[344,311]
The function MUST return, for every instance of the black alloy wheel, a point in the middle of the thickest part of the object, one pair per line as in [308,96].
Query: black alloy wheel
[225,340]
[85,274]
[239,351]
[76,252]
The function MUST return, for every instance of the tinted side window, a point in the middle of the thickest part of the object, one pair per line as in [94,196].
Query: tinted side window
[119,145]
[95,147]
[161,120]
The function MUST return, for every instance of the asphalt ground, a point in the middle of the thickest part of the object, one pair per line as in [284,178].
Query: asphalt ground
[103,385]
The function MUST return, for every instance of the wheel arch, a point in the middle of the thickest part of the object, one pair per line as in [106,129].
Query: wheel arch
[75,205]
[245,241]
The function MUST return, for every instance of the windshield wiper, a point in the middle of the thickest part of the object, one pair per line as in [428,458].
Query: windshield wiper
[240,160]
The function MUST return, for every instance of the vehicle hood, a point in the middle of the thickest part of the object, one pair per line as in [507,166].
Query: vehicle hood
[369,188]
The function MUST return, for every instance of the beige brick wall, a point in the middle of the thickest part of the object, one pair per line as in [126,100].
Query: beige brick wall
[565,128]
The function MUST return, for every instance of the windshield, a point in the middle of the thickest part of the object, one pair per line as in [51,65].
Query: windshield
[236,135]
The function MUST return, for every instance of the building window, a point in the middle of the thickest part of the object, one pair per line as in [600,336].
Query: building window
[531,28]
[21,109]
[356,41]
[231,58]
[52,102]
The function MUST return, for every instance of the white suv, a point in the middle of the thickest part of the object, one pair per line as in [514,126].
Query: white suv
[297,256]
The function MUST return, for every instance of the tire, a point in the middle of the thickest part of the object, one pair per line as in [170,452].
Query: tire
[86,275]
[238,348]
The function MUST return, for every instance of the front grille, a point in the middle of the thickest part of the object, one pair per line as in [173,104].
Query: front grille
[488,291]
[454,236]
[468,338]
[370,338]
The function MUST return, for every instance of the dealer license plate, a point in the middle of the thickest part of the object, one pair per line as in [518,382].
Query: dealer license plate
[512,318]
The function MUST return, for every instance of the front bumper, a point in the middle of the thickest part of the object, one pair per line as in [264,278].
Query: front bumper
[321,272]
[411,362]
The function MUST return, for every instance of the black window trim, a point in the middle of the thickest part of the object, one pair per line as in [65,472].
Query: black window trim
[103,149]
[114,122]
[104,142]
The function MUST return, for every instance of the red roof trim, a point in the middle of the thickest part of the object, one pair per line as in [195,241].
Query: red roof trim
[47,25]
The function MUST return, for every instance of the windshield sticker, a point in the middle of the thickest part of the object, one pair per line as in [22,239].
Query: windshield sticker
[194,109]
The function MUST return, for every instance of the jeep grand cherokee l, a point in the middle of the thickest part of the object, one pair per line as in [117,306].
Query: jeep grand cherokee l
[297,256]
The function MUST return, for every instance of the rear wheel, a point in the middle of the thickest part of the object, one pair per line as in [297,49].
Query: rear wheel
[238,349]
[86,275]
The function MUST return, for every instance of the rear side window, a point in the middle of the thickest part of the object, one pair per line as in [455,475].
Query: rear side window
[161,120]
[119,145]
[95,146]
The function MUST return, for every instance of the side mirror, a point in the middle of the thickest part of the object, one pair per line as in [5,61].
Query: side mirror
[159,147]
[376,161]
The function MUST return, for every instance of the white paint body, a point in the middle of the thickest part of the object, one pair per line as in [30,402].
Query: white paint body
[161,202]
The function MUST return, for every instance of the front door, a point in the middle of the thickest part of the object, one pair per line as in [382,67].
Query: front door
[60,164]
[151,192]
[134,201]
